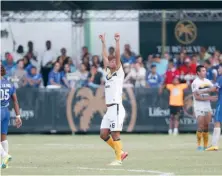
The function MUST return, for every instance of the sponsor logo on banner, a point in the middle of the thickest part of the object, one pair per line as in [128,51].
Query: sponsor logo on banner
[25,114]
[176,49]
[183,121]
[85,103]
[158,112]
[188,106]
[185,32]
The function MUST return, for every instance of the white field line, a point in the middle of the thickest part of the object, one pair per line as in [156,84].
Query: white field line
[23,167]
[128,170]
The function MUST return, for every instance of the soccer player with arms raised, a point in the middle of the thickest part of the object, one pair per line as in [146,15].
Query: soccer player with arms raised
[218,113]
[202,105]
[7,92]
[112,121]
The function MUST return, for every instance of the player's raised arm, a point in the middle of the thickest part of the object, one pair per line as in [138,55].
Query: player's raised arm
[118,62]
[104,52]
[17,112]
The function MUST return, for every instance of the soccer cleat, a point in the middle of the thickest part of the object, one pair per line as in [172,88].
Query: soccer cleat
[200,148]
[5,161]
[124,155]
[212,148]
[116,163]
[4,167]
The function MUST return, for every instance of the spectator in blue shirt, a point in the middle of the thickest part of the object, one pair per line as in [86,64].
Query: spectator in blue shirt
[153,79]
[71,65]
[128,57]
[55,76]
[9,64]
[27,65]
[34,79]
[211,72]
[161,65]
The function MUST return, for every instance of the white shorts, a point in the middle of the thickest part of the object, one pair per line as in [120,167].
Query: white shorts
[202,112]
[114,118]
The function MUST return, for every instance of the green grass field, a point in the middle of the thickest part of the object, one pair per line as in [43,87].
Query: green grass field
[88,155]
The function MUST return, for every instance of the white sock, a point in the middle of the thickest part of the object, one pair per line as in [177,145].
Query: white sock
[5,145]
[170,131]
[2,151]
[175,131]
[216,136]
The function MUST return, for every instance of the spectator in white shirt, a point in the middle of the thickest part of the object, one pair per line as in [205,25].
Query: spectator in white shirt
[140,74]
[129,75]
[47,62]
[136,76]
[83,75]
[19,75]
[67,83]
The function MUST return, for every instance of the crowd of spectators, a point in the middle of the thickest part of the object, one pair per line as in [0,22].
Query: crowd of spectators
[27,69]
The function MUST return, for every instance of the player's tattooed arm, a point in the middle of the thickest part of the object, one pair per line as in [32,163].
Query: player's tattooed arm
[117,38]
[104,52]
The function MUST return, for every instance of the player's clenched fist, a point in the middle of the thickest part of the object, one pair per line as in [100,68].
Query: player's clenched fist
[102,37]
[117,36]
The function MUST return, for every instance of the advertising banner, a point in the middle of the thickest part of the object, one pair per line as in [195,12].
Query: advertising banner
[81,110]
[181,34]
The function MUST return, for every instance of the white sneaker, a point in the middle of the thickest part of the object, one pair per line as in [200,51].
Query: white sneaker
[175,131]
[170,131]
[116,163]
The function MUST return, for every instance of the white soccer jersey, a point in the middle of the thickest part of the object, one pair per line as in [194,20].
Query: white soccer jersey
[199,84]
[114,86]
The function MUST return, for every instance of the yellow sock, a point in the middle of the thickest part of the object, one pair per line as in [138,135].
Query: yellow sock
[205,138]
[118,149]
[110,142]
[199,137]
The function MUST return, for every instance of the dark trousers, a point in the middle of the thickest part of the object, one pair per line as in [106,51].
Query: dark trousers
[45,75]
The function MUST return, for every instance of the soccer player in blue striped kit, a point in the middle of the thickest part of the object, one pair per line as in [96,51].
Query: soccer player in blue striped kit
[7,93]
[218,113]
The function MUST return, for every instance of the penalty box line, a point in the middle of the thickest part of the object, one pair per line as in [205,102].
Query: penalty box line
[128,170]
